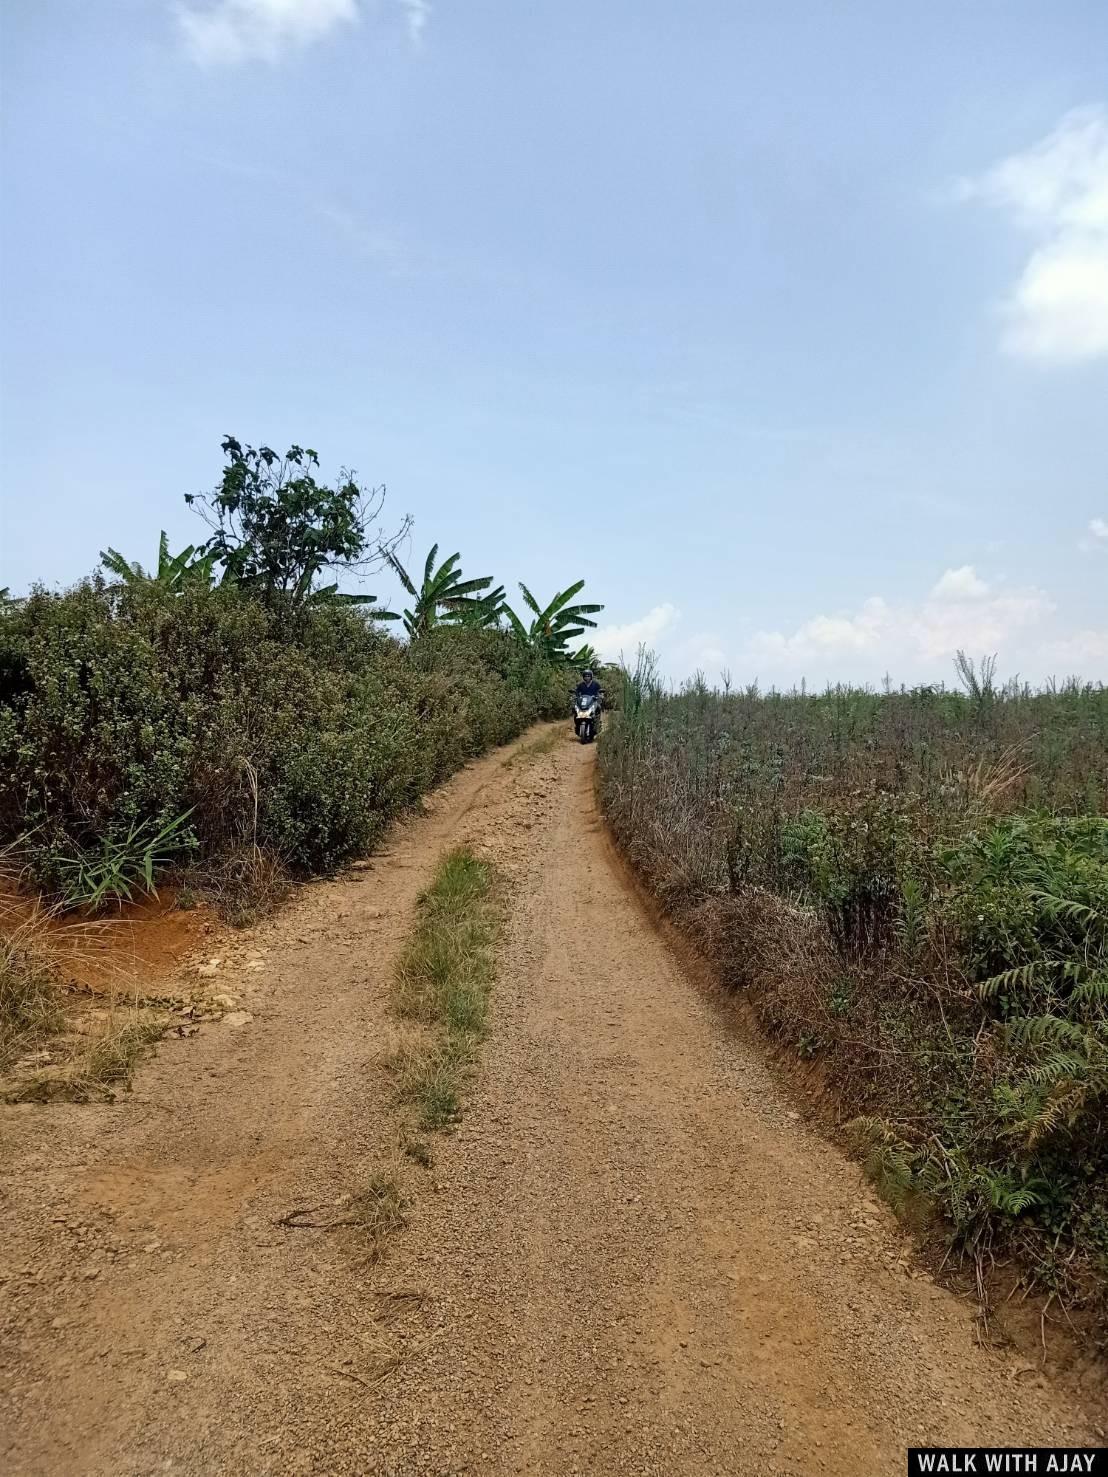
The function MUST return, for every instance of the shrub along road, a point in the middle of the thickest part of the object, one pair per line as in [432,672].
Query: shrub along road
[631,1257]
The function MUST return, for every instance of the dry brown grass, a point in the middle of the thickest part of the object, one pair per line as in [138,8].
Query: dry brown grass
[378,1210]
[31,949]
[28,996]
[243,885]
[92,1068]
[55,1044]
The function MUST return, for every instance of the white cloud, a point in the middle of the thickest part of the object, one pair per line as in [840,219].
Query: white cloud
[680,654]
[1058,190]
[702,652]
[416,15]
[374,245]
[1082,654]
[612,642]
[237,30]
[223,32]
[1095,538]
[960,584]
[1059,310]
[910,640]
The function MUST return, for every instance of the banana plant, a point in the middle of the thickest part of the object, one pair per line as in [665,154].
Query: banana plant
[555,624]
[177,571]
[585,656]
[332,595]
[483,614]
[443,596]
[174,571]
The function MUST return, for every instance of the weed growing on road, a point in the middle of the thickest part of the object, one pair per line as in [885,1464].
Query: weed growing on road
[443,980]
[418,1151]
[92,1070]
[536,748]
[378,1210]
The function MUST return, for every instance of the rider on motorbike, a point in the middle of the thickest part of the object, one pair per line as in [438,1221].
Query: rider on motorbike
[588,686]
[588,699]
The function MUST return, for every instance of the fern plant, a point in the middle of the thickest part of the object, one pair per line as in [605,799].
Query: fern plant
[1055,1004]
[970,1193]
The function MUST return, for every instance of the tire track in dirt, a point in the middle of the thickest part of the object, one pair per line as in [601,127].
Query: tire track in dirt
[152,1314]
[631,1258]
[643,1262]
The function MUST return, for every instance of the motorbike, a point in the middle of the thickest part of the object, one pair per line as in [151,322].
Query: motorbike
[586,717]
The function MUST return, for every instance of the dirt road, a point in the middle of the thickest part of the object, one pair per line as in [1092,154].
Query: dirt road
[632,1257]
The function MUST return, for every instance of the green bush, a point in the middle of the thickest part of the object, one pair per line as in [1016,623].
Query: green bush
[848,864]
[126,707]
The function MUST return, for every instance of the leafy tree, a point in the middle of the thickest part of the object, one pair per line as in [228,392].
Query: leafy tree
[174,571]
[276,529]
[445,596]
[555,624]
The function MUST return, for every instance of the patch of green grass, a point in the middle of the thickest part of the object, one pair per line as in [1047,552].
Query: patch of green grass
[118,865]
[536,748]
[443,981]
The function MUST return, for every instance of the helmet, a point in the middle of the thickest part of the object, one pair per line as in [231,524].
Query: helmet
[587,674]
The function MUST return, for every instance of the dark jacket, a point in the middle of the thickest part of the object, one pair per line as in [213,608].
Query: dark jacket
[588,689]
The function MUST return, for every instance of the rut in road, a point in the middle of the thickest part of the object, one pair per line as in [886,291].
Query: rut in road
[631,1257]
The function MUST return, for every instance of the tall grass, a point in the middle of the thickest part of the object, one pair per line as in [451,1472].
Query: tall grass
[912,887]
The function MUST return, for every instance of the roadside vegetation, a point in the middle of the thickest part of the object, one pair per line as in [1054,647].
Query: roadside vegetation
[229,719]
[47,1051]
[443,980]
[28,996]
[911,888]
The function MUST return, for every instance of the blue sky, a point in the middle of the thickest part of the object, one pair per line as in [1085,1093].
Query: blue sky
[786,325]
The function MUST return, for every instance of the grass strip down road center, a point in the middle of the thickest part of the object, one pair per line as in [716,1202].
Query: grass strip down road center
[442,984]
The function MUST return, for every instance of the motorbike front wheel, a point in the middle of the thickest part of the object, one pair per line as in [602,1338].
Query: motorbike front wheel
[585,732]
